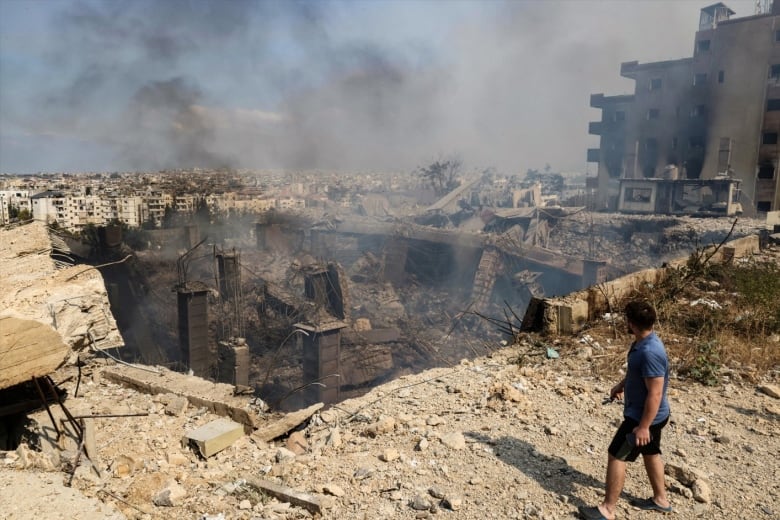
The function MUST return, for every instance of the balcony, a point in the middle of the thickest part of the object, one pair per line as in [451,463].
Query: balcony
[595,127]
[628,69]
[597,100]
[594,155]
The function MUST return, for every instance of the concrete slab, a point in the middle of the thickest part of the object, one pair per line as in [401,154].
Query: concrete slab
[215,436]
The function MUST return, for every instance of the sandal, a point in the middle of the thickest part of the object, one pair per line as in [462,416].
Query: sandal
[591,513]
[648,504]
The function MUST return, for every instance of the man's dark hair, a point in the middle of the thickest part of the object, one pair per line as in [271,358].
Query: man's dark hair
[641,314]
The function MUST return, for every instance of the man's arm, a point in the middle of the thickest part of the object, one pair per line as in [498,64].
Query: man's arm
[655,392]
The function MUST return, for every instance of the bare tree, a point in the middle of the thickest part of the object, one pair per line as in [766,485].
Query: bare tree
[441,174]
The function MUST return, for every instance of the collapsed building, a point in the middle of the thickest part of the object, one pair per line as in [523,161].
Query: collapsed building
[710,118]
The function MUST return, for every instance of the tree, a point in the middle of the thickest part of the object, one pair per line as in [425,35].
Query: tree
[169,217]
[441,175]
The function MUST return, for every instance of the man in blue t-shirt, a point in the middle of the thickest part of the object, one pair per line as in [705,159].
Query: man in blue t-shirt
[645,413]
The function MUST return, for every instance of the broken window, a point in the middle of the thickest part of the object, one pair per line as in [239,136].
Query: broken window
[700,78]
[721,76]
[766,171]
[702,46]
[698,111]
[774,72]
[764,205]
[653,113]
[772,105]
[696,141]
[655,84]
[638,194]
[619,116]
[769,138]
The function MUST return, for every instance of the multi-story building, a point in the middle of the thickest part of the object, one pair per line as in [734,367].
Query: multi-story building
[713,115]
[11,202]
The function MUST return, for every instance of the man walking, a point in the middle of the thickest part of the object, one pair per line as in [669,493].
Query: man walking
[646,412]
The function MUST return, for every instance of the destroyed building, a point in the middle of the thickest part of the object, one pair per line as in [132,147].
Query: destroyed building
[713,115]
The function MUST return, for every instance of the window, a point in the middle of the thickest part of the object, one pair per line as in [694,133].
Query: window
[769,138]
[777,36]
[696,141]
[772,105]
[764,205]
[655,84]
[638,194]
[700,78]
[653,113]
[699,111]
[766,171]
[721,76]
[619,116]
[774,71]
[702,46]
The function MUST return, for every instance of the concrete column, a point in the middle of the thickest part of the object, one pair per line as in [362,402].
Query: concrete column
[322,362]
[396,251]
[194,330]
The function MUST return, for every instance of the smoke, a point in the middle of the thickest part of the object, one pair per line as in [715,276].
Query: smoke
[332,85]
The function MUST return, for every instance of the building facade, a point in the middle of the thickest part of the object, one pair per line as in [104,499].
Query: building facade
[715,114]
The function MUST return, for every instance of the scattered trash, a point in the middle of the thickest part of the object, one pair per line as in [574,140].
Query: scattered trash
[552,353]
[712,304]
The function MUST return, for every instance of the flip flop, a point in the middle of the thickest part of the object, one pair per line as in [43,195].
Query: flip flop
[648,504]
[591,513]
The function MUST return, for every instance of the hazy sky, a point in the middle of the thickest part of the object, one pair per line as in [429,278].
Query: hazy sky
[379,85]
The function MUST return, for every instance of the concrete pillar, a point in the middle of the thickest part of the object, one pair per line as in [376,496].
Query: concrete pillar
[396,251]
[593,272]
[194,330]
[229,272]
[233,362]
[191,235]
[322,361]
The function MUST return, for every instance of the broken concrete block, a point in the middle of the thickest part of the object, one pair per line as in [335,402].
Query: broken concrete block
[176,406]
[170,496]
[215,436]
[297,444]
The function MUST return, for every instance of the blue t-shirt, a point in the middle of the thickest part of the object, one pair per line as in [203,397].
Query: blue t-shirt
[646,358]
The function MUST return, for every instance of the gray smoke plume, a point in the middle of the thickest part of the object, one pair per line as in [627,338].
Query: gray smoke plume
[293,84]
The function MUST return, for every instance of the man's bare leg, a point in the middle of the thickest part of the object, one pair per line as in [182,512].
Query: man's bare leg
[616,478]
[655,472]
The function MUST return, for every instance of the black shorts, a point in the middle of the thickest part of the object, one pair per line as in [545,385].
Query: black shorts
[622,450]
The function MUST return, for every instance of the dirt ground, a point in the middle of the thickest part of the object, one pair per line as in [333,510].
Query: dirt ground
[484,437]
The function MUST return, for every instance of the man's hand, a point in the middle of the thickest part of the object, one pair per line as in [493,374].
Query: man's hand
[642,435]
[617,390]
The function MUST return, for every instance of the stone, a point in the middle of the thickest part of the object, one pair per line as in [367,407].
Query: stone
[333,489]
[507,392]
[363,473]
[770,390]
[454,440]
[245,505]
[722,439]
[385,424]
[420,503]
[434,420]
[422,445]
[176,406]
[452,503]
[297,443]
[436,492]
[283,454]
[177,459]
[123,466]
[215,436]
[683,473]
[334,438]
[170,496]
[701,491]
[389,455]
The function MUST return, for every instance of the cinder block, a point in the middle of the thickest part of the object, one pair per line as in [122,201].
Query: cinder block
[215,436]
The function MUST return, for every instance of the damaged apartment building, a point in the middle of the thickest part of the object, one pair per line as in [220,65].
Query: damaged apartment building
[699,134]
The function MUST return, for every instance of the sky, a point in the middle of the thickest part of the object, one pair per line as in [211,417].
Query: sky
[358,85]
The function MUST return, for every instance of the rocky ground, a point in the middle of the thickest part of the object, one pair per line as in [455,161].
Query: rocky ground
[510,435]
